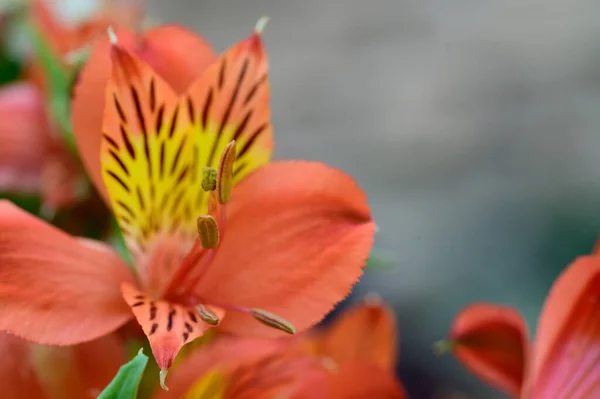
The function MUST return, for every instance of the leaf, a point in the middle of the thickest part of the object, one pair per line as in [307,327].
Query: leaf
[380,259]
[59,81]
[126,382]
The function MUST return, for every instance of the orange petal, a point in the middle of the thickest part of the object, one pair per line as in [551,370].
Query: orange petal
[74,372]
[176,54]
[224,354]
[567,344]
[167,325]
[351,381]
[146,157]
[364,333]
[296,241]
[230,101]
[491,341]
[54,289]
[24,138]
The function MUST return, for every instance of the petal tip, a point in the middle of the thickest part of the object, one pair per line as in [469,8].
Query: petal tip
[261,24]
[112,36]
[163,376]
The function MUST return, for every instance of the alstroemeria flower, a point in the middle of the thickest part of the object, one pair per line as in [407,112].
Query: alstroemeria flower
[49,372]
[491,340]
[287,245]
[352,358]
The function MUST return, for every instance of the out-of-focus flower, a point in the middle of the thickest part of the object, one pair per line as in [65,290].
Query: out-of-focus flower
[77,372]
[297,236]
[34,158]
[491,340]
[352,358]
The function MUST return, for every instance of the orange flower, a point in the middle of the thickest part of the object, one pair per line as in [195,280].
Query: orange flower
[491,340]
[44,372]
[289,243]
[33,159]
[352,358]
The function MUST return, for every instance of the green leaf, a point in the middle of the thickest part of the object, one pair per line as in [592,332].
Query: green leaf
[59,81]
[126,382]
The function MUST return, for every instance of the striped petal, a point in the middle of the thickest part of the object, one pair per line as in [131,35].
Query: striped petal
[230,101]
[567,346]
[491,341]
[146,157]
[168,326]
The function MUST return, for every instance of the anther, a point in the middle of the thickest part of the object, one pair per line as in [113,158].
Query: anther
[208,232]
[207,315]
[209,179]
[272,320]
[443,346]
[225,179]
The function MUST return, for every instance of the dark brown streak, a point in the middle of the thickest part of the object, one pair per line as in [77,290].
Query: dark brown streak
[142,122]
[162,160]
[126,209]
[254,89]
[119,108]
[173,123]
[110,141]
[128,145]
[152,311]
[120,162]
[140,303]
[177,155]
[182,175]
[222,73]
[177,201]
[118,180]
[252,139]
[191,111]
[170,320]
[206,109]
[140,198]
[192,317]
[242,126]
[159,119]
[139,297]
[152,95]
[228,111]
[185,336]
[188,327]
[154,328]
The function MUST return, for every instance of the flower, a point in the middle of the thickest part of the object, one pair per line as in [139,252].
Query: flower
[352,358]
[48,372]
[34,158]
[287,243]
[491,340]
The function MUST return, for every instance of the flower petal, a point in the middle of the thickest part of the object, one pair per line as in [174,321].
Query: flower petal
[74,372]
[362,380]
[491,341]
[176,54]
[364,333]
[230,101]
[168,326]
[54,289]
[298,236]
[209,364]
[146,157]
[567,345]
[24,138]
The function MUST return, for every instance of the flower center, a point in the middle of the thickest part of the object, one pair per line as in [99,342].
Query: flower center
[211,230]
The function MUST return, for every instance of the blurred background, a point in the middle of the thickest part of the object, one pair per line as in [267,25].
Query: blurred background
[473,127]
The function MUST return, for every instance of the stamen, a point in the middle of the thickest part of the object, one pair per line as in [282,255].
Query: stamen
[209,179]
[208,232]
[443,346]
[163,376]
[207,315]
[225,180]
[272,320]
